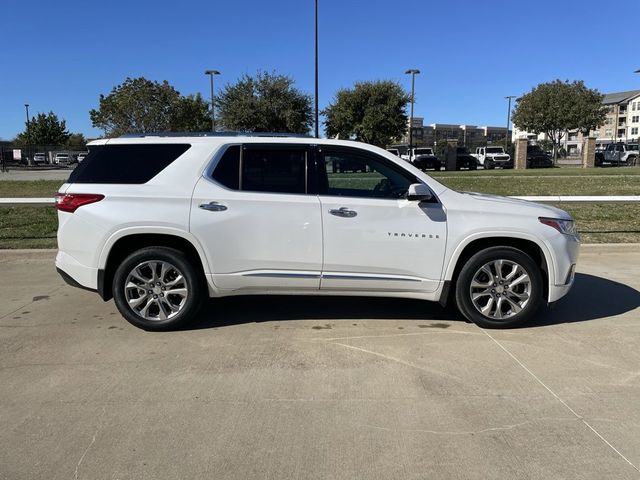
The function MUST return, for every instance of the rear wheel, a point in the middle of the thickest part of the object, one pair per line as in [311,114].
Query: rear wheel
[499,287]
[157,288]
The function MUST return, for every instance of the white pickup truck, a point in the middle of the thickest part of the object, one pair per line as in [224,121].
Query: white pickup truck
[423,158]
[492,157]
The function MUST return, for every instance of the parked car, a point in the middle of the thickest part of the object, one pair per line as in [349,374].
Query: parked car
[491,157]
[161,222]
[538,158]
[394,151]
[62,159]
[424,159]
[465,160]
[617,155]
[39,158]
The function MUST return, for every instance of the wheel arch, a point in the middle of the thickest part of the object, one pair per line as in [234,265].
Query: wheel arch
[125,242]
[530,245]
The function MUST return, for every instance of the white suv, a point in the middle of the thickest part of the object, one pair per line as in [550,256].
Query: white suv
[160,222]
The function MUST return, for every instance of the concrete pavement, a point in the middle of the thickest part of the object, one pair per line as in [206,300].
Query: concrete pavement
[317,388]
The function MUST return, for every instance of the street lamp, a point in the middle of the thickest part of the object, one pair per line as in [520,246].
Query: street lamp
[413,72]
[316,70]
[211,73]
[506,135]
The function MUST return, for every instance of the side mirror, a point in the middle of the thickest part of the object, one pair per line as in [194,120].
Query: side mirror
[419,192]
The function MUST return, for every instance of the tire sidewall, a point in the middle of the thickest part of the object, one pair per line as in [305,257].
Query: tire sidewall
[180,261]
[463,298]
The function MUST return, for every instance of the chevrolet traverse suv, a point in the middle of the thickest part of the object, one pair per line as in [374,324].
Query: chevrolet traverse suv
[161,222]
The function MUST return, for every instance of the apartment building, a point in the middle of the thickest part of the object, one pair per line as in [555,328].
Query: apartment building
[622,124]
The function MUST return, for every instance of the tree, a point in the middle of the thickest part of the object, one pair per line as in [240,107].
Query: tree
[76,141]
[265,103]
[191,114]
[554,108]
[372,112]
[137,105]
[44,129]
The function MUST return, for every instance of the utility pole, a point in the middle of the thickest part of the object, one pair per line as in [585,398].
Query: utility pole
[413,72]
[506,135]
[211,74]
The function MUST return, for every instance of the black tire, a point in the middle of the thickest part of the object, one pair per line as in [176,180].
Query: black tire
[472,268]
[490,165]
[193,283]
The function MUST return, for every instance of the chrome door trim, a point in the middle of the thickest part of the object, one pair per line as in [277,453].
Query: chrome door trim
[280,275]
[355,276]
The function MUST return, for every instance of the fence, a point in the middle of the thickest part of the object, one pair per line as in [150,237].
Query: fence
[36,155]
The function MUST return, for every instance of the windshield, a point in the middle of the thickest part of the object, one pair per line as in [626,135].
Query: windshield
[495,150]
[534,148]
[423,151]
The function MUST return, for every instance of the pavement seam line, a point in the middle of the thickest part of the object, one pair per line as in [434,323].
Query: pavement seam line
[394,359]
[93,440]
[579,417]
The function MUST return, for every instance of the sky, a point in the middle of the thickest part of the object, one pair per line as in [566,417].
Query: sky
[60,56]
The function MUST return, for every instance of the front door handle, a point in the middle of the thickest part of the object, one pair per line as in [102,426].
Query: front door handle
[213,207]
[343,212]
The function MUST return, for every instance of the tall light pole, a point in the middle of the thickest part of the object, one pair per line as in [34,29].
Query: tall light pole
[413,72]
[316,70]
[638,138]
[26,106]
[506,135]
[211,74]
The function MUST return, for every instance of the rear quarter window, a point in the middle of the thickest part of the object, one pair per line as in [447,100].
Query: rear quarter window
[132,164]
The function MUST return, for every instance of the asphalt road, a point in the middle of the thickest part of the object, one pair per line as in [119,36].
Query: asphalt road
[319,388]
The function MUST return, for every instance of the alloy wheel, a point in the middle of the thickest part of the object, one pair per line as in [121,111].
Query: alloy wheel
[156,290]
[500,289]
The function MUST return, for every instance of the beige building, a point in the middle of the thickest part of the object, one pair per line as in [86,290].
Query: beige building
[621,124]
[430,134]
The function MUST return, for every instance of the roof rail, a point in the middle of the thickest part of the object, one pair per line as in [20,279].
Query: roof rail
[214,134]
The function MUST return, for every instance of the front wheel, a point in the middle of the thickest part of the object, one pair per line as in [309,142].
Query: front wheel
[499,287]
[157,288]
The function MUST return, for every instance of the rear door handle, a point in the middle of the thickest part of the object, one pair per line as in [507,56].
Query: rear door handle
[213,207]
[343,212]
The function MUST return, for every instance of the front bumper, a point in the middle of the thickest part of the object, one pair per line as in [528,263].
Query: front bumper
[566,249]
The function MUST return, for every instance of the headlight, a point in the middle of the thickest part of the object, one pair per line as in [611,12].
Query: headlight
[568,227]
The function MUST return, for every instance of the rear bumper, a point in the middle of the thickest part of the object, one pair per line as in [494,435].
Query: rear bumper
[80,276]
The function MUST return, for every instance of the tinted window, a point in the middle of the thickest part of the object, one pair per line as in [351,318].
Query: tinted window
[227,171]
[358,174]
[278,170]
[125,163]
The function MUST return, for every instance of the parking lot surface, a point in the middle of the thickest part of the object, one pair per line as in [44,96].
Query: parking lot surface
[319,388]
[53,174]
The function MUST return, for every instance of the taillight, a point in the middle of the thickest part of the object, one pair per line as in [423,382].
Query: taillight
[70,202]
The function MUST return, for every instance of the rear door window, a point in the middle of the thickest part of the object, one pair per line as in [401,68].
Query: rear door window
[278,169]
[127,164]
